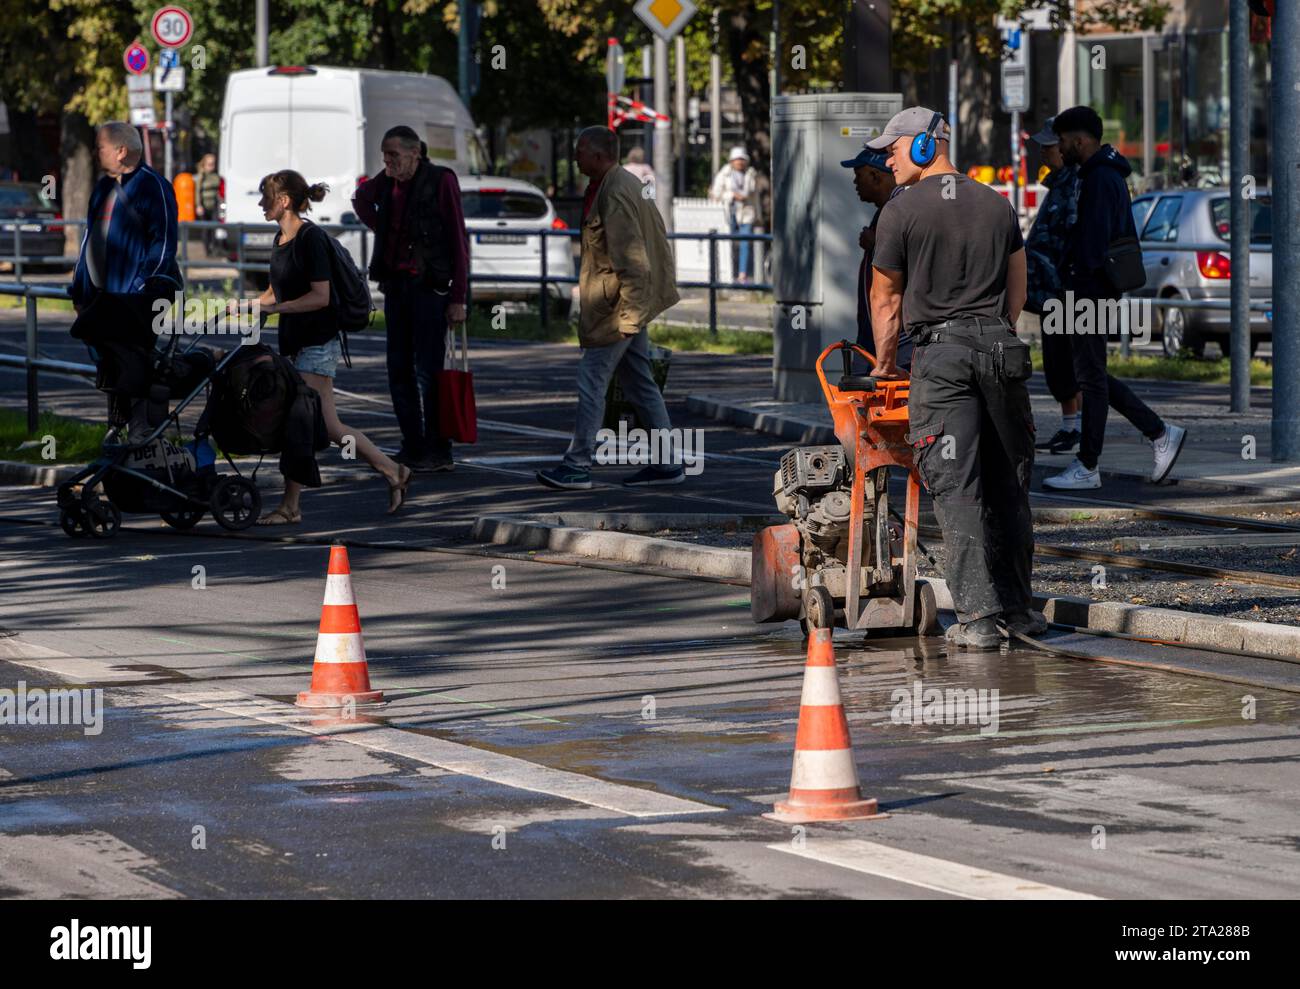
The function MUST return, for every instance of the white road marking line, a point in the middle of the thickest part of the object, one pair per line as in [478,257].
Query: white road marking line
[466,760]
[940,875]
[452,756]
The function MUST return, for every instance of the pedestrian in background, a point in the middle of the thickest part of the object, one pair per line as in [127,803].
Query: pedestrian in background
[127,260]
[950,267]
[627,279]
[207,198]
[421,262]
[309,333]
[1105,215]
[873,180]
[1044,253]
[636,164]
[735,186]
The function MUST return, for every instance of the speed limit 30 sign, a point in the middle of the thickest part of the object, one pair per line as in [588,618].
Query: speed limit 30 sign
[172,26]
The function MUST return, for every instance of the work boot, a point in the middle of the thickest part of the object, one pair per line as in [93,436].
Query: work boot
[1167,447]
[1028,622]
[1076,477]
[979,634]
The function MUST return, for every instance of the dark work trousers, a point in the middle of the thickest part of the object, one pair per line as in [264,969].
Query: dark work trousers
[1058,367]
[972,436]
[1101,392]
[417,346]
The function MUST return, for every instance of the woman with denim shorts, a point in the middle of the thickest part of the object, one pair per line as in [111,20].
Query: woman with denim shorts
[309,335]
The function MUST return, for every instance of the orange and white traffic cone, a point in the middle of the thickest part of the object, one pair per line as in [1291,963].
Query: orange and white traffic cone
[339,675]
[824,783]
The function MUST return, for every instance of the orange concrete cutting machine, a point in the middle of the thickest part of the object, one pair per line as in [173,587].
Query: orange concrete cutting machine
[841,560]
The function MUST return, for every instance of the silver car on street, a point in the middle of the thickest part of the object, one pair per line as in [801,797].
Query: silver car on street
[1172,224]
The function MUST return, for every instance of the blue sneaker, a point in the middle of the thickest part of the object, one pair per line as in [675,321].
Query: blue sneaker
[565,478]
[648,476]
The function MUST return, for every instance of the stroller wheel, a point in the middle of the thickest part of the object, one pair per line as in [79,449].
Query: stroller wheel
[71,521]
[184,519]
[235,503]
[102,519]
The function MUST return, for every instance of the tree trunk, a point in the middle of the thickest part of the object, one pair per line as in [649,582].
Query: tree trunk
[747,47]
[78,165]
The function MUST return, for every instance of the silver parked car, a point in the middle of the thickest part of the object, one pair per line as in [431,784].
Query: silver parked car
[1170,223]
[502,217]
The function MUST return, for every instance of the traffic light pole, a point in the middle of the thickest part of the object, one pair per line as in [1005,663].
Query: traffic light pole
[1239,209]
[1285,106]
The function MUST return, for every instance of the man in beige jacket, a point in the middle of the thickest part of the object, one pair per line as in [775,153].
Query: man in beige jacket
[628,278]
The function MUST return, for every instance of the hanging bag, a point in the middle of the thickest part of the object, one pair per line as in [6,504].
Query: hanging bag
[457,414]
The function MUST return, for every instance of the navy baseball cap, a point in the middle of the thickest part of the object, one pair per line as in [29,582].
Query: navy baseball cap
[869,156]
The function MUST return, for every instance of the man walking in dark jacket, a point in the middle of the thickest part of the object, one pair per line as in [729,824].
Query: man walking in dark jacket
[1105,215]
[128,250]
[126,274]
[421,261]
[1044,252]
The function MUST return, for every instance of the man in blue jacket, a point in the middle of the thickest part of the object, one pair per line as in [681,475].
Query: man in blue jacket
[1105,215]
[128,251]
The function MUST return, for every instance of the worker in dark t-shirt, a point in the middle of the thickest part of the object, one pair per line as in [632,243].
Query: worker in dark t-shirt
[949,267]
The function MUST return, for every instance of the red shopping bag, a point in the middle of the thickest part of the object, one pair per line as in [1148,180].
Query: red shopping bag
[457,414]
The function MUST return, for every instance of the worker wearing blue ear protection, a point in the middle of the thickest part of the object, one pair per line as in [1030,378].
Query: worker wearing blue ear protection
[949,268]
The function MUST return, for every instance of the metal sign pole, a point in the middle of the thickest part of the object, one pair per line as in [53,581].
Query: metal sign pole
[1285,150]
[1239,209]
[167,136]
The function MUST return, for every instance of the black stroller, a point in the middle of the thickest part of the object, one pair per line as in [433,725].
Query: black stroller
[156,474]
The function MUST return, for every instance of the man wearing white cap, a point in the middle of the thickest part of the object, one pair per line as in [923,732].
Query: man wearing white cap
[950,267]
[735,186]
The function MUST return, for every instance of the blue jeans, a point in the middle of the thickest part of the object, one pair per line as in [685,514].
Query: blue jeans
[746,246]
[417,346]
[630,358]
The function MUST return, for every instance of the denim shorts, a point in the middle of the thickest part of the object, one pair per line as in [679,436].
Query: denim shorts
[322,360]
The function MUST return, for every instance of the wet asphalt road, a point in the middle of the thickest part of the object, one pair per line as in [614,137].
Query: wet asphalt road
[609,734]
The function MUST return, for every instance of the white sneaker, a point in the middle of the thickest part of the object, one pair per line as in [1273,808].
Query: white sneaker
[1076,477]
[1167,448]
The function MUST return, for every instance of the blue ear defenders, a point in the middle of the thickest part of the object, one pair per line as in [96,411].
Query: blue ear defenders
[924,146]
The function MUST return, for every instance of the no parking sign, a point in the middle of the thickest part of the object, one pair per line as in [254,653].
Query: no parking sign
[135,58]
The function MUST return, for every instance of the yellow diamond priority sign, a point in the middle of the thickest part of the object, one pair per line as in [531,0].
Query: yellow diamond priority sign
[665,17]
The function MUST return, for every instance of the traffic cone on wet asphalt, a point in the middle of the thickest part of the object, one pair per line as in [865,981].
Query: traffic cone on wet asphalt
[340,670]
[824,782]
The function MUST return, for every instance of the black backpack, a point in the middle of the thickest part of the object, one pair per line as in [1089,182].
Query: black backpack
[349,288]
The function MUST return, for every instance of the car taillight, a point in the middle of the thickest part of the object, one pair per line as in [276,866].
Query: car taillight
[558,224]
[56,228]
[362,180]
[1213,264]
[492,192]
[291,70]
[221,189]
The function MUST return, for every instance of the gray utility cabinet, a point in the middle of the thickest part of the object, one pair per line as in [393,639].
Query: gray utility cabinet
[816,219]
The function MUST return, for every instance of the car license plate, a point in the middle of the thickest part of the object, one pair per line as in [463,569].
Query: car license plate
[502,239]
[258,239]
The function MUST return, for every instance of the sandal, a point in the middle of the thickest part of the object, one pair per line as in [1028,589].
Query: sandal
[280,517]
[397,492]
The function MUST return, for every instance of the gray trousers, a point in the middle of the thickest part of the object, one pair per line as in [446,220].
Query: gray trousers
[630,358]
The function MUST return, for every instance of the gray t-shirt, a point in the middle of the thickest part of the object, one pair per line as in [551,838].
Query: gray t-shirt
[952,237]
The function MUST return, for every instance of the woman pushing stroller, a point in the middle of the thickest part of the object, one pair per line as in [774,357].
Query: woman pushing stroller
[309,335]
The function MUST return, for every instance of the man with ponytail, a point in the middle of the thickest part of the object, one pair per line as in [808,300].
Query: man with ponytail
[421,262]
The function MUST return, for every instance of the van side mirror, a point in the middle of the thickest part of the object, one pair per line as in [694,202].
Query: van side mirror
[349,219]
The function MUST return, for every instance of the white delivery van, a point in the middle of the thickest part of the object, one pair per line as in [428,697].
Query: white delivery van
[327,123]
